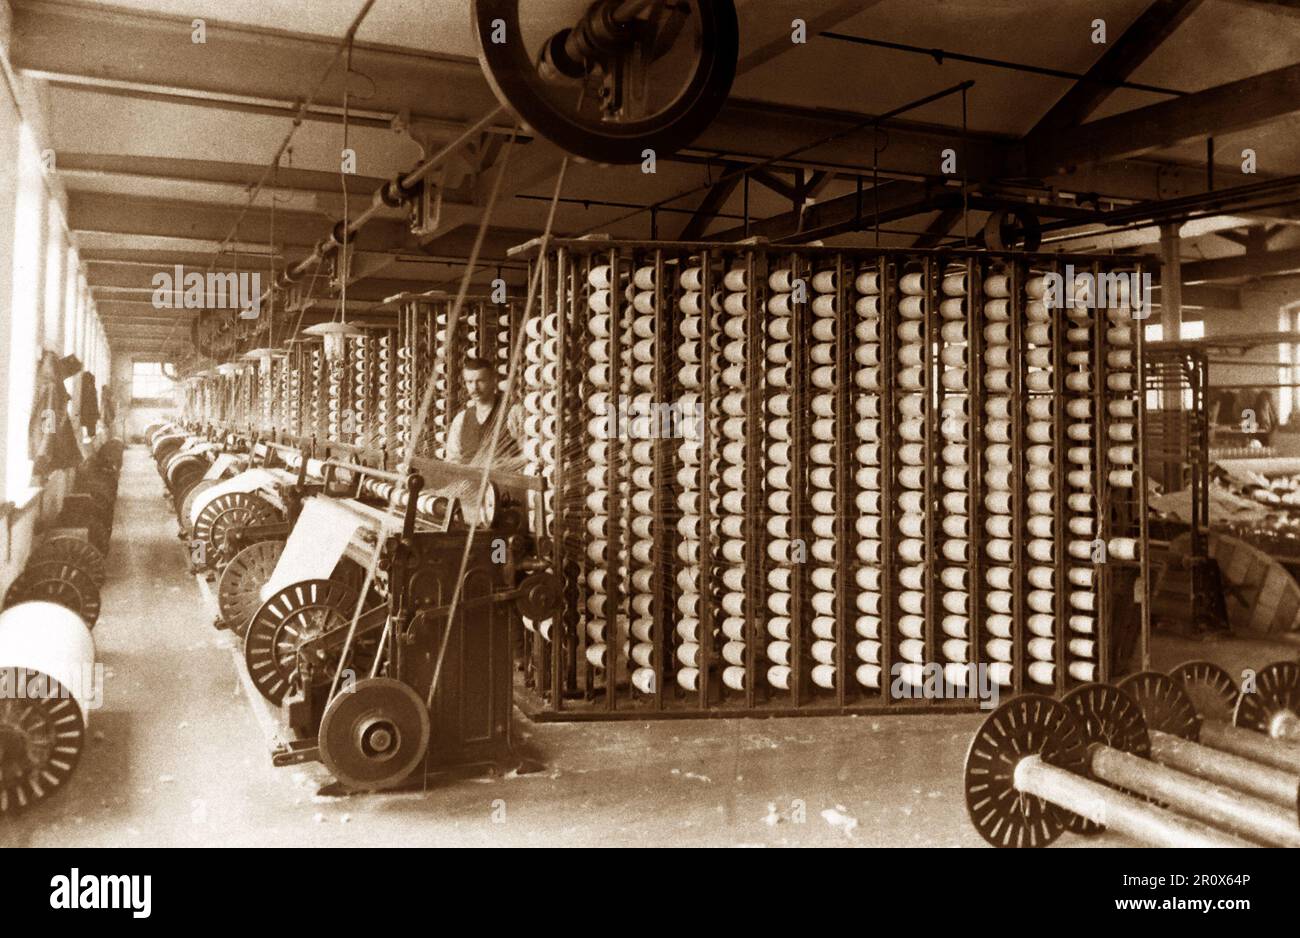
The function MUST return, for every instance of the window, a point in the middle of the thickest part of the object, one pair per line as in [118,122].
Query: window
[1288,320]
[54,257]
[1187,329]
[150,384]
[28,251]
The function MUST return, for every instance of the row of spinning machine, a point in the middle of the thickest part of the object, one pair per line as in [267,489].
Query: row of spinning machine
[369,395]
[814,480]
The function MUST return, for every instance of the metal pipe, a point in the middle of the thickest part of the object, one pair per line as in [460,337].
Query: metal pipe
[940,54]
[377,200]
[1252,745]
[1223,807]
[1271,784]
[743,173]
[1115,810]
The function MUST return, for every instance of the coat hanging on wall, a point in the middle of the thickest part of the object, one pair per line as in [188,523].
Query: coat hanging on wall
[52,441]
[89,410]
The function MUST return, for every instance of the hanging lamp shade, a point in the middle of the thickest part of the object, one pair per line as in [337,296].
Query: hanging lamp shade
[264,354]
[334,334]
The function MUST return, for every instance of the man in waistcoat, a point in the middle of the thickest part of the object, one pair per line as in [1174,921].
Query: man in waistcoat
[471,429]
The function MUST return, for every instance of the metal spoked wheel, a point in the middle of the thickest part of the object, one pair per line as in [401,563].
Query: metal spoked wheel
[627,78]
[1163,703]
[1277,693]
[184,471]
[240,585]
[299,612]
[188,499]
[375,735]
[1212,690]
[75,551]
[57,581]
[1028,725]
[1108,716]
[42,733]
[222,515]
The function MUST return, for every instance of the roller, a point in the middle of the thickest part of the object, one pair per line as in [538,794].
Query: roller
[47,664]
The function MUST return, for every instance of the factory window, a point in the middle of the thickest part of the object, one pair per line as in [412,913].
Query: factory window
[1187,329]
[1289,373]
[150,383]
[28,249]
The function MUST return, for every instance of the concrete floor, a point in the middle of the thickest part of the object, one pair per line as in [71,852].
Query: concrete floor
[177,757]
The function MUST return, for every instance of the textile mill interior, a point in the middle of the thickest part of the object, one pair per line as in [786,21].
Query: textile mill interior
[650,423]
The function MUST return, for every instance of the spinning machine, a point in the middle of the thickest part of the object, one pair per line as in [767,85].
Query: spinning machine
[909,469]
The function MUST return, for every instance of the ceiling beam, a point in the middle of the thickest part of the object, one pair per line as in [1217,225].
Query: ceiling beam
[1204,296]
[710,205]
[892,200]
[815,23]
[133,47]
[203,222]
[1242,265]
[1152,27]
[246,175]
[938,229]
[1238,105]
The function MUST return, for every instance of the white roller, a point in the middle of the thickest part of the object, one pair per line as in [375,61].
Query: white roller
[54,641]
[251,480]
[316,544]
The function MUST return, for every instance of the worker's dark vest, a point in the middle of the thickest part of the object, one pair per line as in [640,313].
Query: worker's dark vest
[472,432]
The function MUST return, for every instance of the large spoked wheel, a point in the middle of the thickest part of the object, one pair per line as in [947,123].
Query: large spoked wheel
[240,585]
[374,735]
[42,733]
[188,499]
[1211,689]
[1276,699]
[653,77]
[223,515]
[1028,725]
[57,581]
[297,613]
[75,551]
[1110,717]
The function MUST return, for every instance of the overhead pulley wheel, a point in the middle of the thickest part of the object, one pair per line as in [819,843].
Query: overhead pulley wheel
[374,735]
[75,551]
[57,581]
[1273,708]
[240,584]
[297,613]
[224,514]
[1013,229]
[627,76]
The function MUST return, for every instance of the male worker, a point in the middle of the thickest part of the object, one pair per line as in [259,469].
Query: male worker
[471,430]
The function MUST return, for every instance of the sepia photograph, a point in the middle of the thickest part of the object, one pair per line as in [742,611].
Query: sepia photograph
[650,424]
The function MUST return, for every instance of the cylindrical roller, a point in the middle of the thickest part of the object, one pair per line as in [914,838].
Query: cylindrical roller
[47,666]
[1223,807]
[1115,810]
[1271,784]
[1252,745]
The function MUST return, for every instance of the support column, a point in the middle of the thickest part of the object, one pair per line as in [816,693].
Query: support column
[1171,299]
